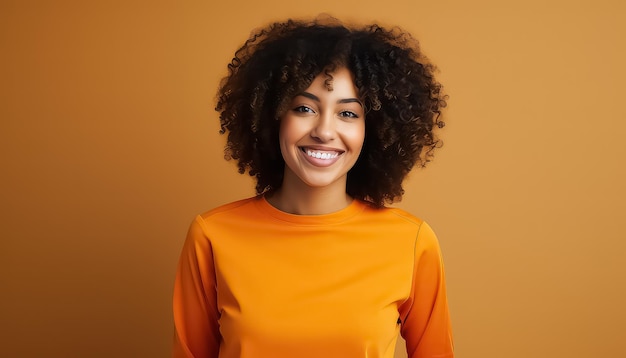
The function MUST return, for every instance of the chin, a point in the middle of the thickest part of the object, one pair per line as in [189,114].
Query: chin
[321,183]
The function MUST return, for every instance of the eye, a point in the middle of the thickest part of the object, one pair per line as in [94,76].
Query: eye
[348,114]
[303,109]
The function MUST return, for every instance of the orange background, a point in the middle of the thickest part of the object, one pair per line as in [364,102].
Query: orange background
[109,147]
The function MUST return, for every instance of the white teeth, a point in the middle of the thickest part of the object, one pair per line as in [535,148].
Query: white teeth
[321,155]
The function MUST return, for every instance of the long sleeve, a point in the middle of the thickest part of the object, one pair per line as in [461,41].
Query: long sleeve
[195,307]
[254,281]
[425,316]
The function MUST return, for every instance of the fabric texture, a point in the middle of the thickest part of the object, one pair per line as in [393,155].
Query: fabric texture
[254,281]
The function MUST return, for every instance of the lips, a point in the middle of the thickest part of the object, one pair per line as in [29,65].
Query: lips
[321,157]
[321,154]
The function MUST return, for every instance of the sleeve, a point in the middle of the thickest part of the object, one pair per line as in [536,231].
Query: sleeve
[195,298]
[425,317]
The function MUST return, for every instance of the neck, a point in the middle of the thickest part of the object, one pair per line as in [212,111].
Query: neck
[295,197]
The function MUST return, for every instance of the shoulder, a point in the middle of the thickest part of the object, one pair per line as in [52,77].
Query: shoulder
[405,216]
[393,217]
[227,215]
[235,208]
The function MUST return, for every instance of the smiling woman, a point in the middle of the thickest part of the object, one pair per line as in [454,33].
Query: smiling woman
[329,120]
[320,140]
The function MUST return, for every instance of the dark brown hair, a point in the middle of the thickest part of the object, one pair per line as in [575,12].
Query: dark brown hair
[395,82]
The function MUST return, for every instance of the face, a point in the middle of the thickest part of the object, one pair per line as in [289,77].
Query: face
[322,132]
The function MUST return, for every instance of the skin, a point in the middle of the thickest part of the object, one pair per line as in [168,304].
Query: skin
[321,136]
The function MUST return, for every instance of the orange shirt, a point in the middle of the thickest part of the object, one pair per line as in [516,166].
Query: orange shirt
[254,281]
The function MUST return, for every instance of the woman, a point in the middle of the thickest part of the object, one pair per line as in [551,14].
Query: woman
[329,120]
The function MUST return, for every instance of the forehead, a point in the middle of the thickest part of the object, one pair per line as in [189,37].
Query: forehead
[338,80]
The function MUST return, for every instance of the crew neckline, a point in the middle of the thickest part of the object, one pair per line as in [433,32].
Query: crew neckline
[354,208]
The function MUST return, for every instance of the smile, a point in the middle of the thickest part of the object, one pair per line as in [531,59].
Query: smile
[318,154]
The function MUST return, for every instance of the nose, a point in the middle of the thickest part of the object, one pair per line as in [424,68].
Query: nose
[324,129]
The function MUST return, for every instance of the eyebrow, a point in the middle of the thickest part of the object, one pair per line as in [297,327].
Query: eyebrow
[343,100]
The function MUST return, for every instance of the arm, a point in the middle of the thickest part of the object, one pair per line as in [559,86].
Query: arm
[195,298]
[425,317]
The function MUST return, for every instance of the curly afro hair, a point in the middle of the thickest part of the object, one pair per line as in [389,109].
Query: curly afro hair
[395,81]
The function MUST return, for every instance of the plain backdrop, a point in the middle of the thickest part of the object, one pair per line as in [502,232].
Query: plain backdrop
[109,147]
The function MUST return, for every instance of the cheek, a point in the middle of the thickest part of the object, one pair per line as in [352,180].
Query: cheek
[283,134]
[289,131]
[288,137]
[357,136]
[283,141]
